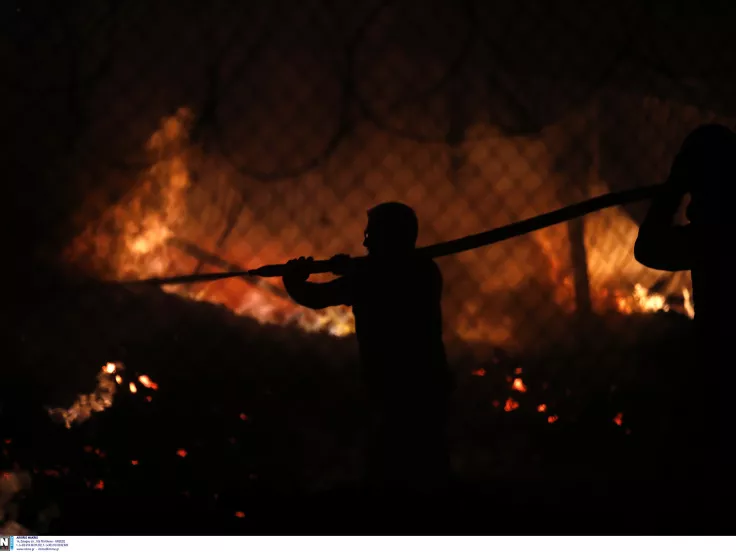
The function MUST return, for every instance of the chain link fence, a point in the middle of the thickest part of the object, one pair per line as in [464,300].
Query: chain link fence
[154,139]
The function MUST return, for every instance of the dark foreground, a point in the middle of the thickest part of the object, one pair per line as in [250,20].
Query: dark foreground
[257,430]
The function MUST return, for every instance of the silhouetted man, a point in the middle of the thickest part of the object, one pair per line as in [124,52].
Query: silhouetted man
[396,299]
[705,168]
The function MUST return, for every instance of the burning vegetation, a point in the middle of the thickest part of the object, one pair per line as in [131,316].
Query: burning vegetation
[166,225]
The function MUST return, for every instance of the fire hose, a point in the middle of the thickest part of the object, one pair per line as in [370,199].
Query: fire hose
[442,249]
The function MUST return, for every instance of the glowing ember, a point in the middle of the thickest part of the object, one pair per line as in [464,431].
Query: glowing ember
[181,452]
[97,401]
[240,514]
[519,386]
[618,419]
[100,485]
[244,417]
[119,380]
[542,408]
[510,405]
[517,371]
[479,372]
[132,387]
[134,462]
[552,419]
[146,382]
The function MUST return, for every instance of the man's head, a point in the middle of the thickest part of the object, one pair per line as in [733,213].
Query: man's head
[707,164]
[392,229]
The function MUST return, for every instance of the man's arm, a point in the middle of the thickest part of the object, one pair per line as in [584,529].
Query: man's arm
[319,296]
[661,245]
[312,295]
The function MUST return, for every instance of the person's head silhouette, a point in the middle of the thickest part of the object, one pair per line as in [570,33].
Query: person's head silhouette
[706,163]
[392,230]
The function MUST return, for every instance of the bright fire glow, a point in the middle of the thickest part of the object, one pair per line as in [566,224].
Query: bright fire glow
[132,240]
[689,307]
[552,419]
[542,408]
[518,385]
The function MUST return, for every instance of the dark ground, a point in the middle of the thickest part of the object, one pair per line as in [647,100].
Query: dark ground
[294,465]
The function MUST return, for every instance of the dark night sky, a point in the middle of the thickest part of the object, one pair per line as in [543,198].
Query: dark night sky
[90,80]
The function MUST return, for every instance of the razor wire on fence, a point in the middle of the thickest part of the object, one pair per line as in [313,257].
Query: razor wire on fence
[155,139]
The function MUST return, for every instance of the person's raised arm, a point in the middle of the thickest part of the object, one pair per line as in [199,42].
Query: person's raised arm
[315,295]
[662,245]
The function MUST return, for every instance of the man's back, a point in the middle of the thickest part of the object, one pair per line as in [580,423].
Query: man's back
[398,319]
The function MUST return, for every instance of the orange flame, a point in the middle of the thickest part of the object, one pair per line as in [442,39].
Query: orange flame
[689,308]
[132,387]
[618,419]
[542,408]
[519,386]
[552,419]
[132,239]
